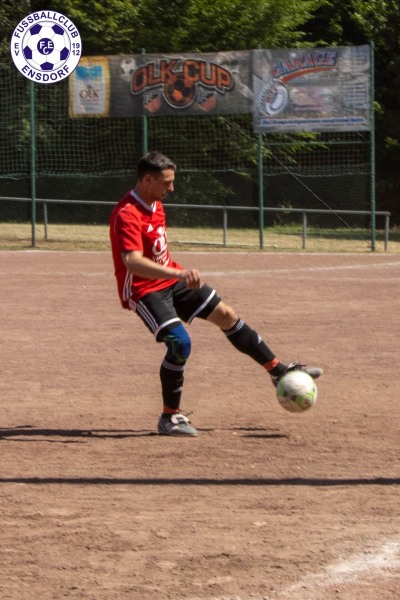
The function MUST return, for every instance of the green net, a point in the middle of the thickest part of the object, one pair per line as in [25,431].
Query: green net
[310,182]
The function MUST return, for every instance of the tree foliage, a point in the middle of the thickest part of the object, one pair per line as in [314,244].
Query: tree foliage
[361,22]
[127,26]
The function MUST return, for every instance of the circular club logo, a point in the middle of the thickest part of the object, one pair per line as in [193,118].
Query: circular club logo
[46,47]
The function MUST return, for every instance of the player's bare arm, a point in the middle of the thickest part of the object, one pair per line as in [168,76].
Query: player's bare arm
[141,266]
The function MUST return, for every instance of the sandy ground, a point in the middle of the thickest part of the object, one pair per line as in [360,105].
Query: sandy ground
[263,504]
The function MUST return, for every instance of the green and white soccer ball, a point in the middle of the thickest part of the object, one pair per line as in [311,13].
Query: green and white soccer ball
[296,391]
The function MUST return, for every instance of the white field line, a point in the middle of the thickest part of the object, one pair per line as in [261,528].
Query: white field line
[375,563]
[368,564]
[55,252]
[186,252]
[234,273]
[297,269]
[55,273]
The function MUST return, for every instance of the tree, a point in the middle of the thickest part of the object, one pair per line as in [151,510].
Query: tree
[127,26]
[360,22]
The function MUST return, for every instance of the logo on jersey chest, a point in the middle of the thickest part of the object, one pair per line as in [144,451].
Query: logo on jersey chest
[160,243]
[157,241]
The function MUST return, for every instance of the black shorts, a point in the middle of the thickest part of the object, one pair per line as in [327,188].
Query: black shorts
[162,311]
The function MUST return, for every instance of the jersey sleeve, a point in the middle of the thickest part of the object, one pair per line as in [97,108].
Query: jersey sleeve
[128,228]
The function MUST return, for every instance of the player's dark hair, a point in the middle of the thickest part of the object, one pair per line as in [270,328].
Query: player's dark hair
[154,162]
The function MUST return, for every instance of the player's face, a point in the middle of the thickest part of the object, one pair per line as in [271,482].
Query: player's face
[161,184]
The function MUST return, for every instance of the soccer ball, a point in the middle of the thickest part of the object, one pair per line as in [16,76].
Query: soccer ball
[296,391]
[46,47]
[127,68]
[180,93]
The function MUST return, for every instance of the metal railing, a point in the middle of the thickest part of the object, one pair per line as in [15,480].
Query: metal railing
[224,209]
[303,211]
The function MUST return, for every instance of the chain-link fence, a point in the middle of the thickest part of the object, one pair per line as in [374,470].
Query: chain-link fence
[233,187]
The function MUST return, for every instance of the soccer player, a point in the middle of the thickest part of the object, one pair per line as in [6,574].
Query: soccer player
[165,295]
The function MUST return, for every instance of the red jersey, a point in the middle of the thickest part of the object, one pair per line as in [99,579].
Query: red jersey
[136,226]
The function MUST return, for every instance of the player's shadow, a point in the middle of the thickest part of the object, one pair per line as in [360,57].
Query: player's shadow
[260,432]
[28,433]
[69,436]
[206,481]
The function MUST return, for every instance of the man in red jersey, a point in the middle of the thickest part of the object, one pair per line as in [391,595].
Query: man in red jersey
[164,294]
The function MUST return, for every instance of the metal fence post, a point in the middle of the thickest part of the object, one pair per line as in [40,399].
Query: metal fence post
[145,134]
[45,221]
[372,118]
[33,161]
[387,221]
[304,229]
[225,226]
[261,189]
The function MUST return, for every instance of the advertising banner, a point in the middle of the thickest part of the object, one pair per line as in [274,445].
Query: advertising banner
[153,85]
[89,88]
[313,89]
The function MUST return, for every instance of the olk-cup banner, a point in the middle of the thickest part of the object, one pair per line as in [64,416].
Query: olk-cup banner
[168,84]
[312,89]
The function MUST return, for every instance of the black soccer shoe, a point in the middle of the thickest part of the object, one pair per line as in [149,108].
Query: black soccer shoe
[314,372]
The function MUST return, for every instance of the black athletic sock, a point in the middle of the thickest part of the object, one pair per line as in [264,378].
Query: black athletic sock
[248,341]
[172,377]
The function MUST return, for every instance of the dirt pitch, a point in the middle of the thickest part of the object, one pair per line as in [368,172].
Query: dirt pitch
[263,504]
